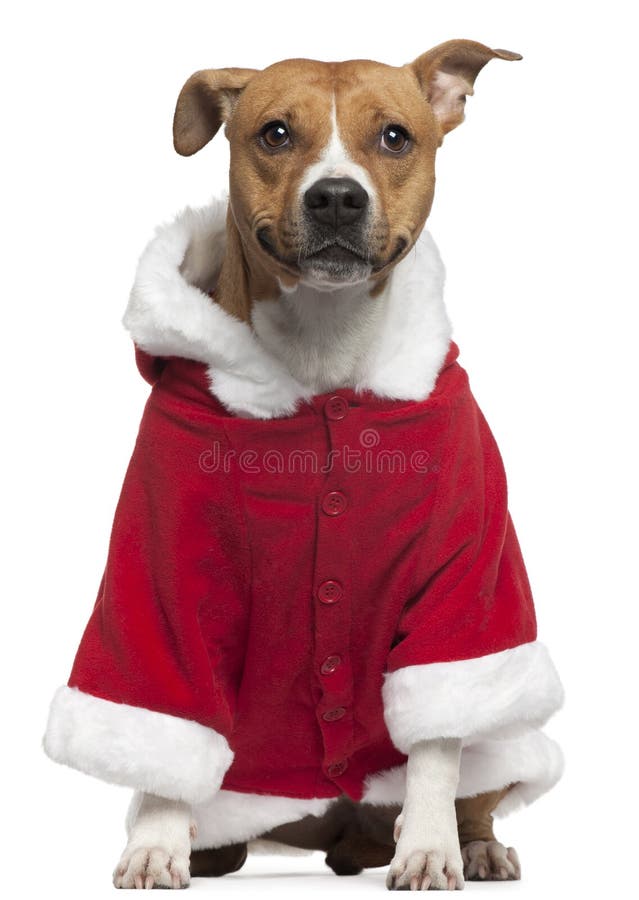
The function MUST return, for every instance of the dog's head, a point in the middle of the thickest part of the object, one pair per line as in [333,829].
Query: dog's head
[332,164]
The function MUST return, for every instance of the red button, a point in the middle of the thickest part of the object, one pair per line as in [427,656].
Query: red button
[332,715]
[337,769]
[330,664]
[334,503]
[335,408]
[330,591]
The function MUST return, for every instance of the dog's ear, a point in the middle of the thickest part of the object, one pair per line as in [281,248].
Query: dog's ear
[447,73]
[206,100]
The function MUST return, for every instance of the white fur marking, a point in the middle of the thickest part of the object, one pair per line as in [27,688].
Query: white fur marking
[427,853]
[335,162]
[159,845]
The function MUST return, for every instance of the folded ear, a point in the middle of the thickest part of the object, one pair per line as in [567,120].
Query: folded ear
[206,100]
[447,74]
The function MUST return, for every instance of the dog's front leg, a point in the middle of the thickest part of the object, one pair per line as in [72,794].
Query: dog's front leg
[159,846]
[427,855]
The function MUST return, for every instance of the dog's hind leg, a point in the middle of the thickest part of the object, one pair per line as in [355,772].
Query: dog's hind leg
[217,861]
[484,857]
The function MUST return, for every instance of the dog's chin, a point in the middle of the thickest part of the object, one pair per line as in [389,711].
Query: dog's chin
[334,266]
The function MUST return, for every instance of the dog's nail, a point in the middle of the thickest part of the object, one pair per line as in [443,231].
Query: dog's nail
[482,871]
[426,883]
[503,873]
[148,884]
[414,882]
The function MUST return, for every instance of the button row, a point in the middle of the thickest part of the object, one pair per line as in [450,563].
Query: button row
[331,591]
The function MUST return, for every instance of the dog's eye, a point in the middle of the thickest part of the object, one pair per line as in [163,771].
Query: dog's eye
[275,135]
[394,138]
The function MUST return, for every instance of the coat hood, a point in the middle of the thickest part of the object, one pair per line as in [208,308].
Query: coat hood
[170,313]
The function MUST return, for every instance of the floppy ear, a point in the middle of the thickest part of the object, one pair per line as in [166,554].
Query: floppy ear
[447,74]
[206,100]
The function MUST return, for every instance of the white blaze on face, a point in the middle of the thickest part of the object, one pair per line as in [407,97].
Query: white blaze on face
[335,162]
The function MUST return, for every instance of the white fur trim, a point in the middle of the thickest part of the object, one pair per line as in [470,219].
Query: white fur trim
[153,752]
[274,848]
[532,762]
[386,788]
[170,314]
[233,816]
[336,162]
[415,332]
[497,695]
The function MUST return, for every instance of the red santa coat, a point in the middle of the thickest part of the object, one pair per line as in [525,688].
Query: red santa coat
[290,601]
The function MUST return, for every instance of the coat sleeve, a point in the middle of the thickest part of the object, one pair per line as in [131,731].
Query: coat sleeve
[465,660]
[150,699]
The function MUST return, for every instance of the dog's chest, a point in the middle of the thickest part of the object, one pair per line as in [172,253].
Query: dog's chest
[323,338]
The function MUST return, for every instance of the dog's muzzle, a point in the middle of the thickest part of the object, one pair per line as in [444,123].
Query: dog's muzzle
[336,227]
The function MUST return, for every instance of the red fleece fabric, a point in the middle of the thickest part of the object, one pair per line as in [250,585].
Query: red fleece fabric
[263,575]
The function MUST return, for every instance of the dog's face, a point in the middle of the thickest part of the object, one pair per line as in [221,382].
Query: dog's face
[332,164]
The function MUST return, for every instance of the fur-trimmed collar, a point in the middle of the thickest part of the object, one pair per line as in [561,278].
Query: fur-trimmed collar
[170,314]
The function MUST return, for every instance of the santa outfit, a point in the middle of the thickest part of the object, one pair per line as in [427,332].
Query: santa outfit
[299,587]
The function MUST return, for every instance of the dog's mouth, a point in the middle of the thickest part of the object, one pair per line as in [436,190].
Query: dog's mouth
[337,251]
[337,255]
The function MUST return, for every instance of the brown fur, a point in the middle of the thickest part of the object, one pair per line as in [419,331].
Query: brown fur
[264,185]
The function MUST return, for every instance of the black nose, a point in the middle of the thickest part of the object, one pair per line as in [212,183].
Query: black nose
[336,201]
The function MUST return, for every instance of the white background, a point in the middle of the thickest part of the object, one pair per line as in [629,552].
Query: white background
[535,215]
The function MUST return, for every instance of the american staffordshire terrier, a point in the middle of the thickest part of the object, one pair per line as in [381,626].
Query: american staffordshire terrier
[332,175]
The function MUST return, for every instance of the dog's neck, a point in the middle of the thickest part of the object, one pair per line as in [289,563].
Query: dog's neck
[324,338]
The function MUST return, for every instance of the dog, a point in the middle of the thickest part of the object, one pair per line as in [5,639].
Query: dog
[387,718]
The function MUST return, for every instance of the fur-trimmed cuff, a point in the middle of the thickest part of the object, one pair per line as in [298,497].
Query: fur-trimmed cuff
[496,695]
[532,763]
[161,754]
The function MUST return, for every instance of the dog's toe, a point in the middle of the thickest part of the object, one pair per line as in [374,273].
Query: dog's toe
[423,871]
[490,861]
[151,867]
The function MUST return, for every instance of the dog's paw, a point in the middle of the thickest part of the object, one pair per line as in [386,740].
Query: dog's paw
[149,867]
[490,861]
[438,869]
